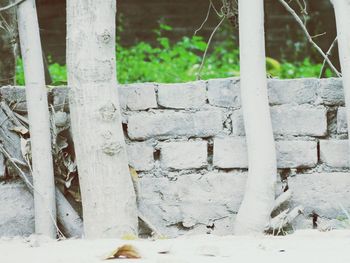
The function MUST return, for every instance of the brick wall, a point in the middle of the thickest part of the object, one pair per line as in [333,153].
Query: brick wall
[187,143]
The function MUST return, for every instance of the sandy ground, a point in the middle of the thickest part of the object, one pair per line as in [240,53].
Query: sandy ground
[303,246]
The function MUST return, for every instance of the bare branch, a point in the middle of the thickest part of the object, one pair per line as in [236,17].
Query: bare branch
[205,20]
[329,52]
[309,38]
[206,49]
[11,5]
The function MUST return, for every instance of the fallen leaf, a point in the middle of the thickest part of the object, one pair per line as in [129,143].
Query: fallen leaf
[125,251]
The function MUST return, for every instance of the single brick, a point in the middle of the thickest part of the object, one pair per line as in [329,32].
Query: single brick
[297,91]
[184,155]
[137,96]
[342,126]
[167,124]
[299,120]
[237,123]
[231,152]
[331,91]
[289,120]
[15,96]
[140,156]
[224,92]
[191,95]
[334,153]
[296,154]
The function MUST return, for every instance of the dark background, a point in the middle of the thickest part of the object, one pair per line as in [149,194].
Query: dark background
[138,18]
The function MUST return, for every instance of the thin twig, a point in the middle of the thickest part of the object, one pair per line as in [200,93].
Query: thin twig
[206,49]
[300,22]
[205,20]
[11,5]
[329,52]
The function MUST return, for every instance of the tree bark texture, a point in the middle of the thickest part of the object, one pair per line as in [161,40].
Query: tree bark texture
[109,201]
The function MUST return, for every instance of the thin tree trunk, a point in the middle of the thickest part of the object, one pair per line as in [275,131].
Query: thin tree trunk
[342,16]
[254,213]
[39,122]
[8,45]
[109,201]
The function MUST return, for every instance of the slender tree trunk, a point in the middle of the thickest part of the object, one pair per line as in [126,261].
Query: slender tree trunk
[342,16]
[8,45]
[39,122]
[109,201]
[254,213]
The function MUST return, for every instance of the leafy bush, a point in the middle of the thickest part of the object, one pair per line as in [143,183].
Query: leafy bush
[180,62]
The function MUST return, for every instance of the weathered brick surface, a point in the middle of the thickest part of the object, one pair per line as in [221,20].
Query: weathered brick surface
[342,126]
[231,152]
[174,124]
[299,120]
[321,193]
[17,210]
[184,155]
[331,91]
[191,95]
[296,154]
[224,92]
[286,119]
[137,96]
[140,155]
[192,200]
[334,153]
[299,91]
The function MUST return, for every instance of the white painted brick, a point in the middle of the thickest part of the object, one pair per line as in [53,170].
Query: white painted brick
[140,156]
[331,91]
[298,91]
[342,126]
[231,152]
[321,193]
[224,92]
[17,210]
[237,123]
[191,95]
[334,153]
[184,155]
[299,120]
[167,124]
[296,154]
[140,96]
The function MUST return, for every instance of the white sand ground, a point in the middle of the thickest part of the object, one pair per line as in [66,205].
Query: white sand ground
[303,246]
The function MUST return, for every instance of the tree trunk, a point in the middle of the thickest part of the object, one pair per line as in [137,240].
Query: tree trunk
[254,213]
[109,201]
[342,16]
[39,122]
[8,45]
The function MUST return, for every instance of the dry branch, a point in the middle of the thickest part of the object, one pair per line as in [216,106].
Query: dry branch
[309,38]
[69,219]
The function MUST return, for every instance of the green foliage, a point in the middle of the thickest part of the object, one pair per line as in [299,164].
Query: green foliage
[168,62]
